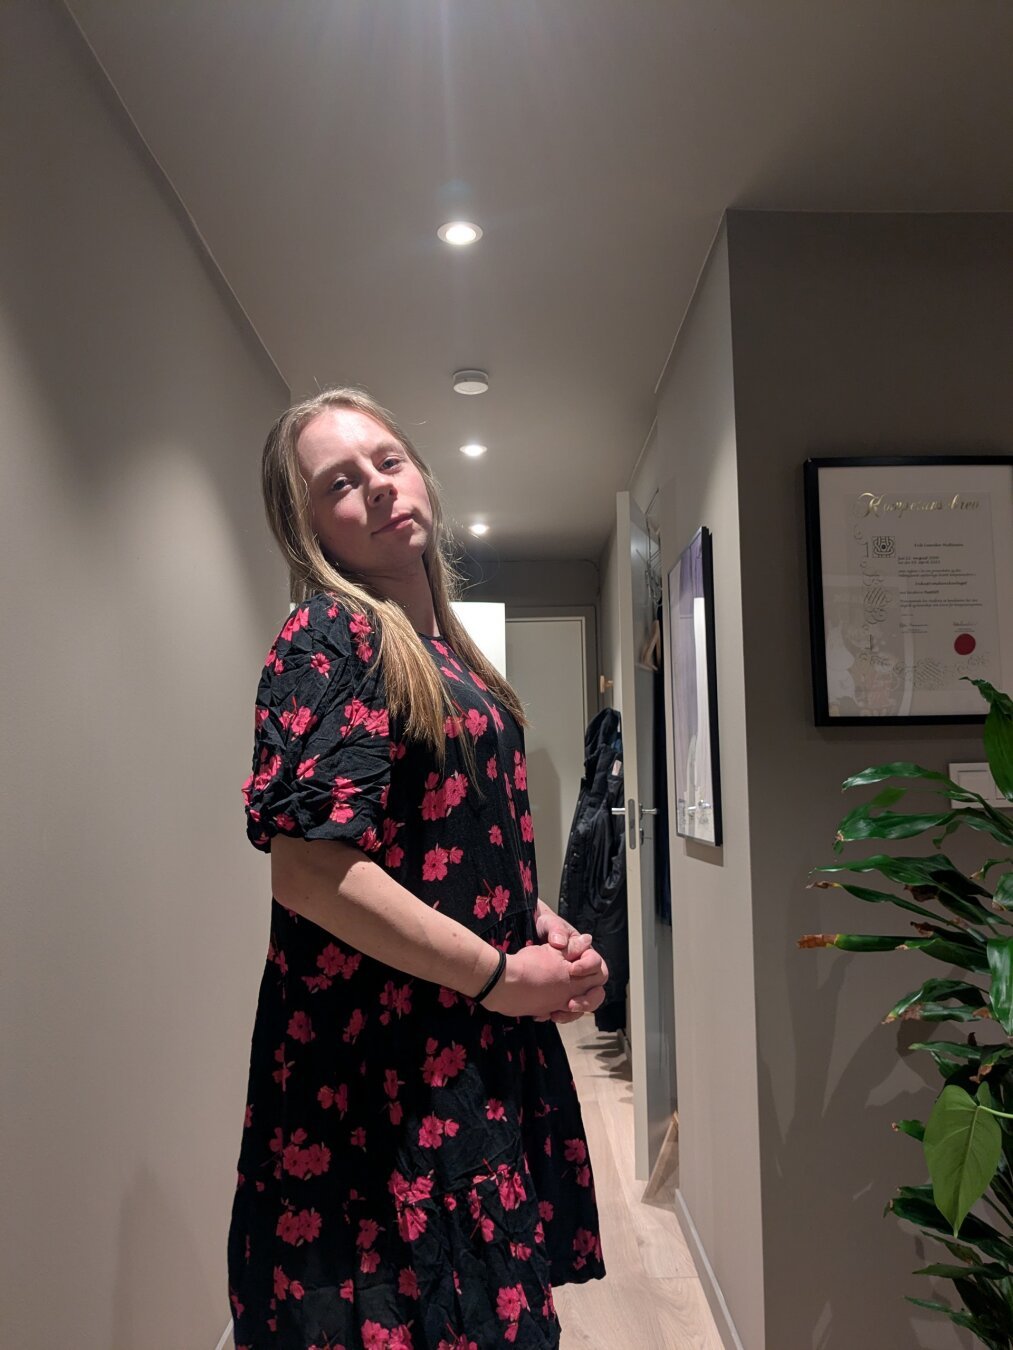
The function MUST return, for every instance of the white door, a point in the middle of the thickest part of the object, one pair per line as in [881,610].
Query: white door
[545,664]
[649,979]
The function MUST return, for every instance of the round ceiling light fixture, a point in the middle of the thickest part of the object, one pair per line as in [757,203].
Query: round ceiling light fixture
[473,450]
[470,381]
[479,527]
[459,233]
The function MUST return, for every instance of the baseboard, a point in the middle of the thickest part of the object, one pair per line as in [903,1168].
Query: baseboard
[719,1308]
[226,1342]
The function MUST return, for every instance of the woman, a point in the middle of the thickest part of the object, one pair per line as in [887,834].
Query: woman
[413,1171]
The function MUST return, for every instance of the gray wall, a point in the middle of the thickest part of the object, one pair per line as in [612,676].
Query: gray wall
[852,334]
[712,918]
[139,593]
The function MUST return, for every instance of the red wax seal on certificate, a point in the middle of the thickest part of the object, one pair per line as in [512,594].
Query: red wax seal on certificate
[964,644]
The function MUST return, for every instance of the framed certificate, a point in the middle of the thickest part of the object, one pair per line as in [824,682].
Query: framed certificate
[910,586]
[694,692]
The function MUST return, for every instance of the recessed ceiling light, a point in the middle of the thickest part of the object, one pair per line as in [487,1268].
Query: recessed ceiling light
[459,232]
[479,527]
[470,381]
[473,450]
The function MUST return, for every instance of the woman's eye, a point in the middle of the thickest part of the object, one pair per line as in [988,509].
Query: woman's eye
[392,459]
[338,484]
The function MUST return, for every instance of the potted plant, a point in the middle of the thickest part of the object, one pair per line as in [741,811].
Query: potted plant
[962,921]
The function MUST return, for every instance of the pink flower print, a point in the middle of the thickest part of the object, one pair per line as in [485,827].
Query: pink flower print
[433,805]
[260,715]
[439,1069]
[510,1186]
[548,1147]
[303,720]
[355,1024]
[320,663]
[342,789]
[526,882]
[445,670]
[447,997]
[527,828]
[378,722]
[495,835]
[458,1343]
[546,1210]
[269,769]
[248,1117]
[401,1338]
[318,1159]
[431,1132]
[307,767]
[455,789]
[411,1223]
[369,1262]
[408,1283]
[391,1083]
[574,1150]
[347,1291]
[398,749]
[583,1176]
[486,1227]
[507,788]
[520,1251]
[281,1283]
[296,620]
[284,820]
[486,1036]
[434,864]
[300,1028]
[369,840]
[390,828]
[479,681]
[374,1336]
[491,767]
[357,1138]
[500,900]
[520,771]
[331,960]
[510,1303]
[396,1112]
[395,998]
[494,1110]
[497,721]
[586,1244]
[476,723]
[394,856]
[369,1231]
[359,625]
[279,666]
[452,726]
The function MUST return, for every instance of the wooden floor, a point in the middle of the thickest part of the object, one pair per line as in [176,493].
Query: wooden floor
[651,1298]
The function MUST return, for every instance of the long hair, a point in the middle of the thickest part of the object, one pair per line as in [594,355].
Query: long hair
[416,693]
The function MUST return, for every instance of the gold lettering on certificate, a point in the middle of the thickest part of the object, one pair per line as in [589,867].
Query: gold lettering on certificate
[875,504]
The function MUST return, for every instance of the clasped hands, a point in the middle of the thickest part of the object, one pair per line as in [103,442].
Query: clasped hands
[559,978]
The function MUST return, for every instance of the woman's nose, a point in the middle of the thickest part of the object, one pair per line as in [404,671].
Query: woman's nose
[380,488]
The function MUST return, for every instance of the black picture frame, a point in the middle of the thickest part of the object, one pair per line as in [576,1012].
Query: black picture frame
[822,476]
[695,744]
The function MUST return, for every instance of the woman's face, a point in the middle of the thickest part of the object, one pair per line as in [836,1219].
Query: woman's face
[369,503]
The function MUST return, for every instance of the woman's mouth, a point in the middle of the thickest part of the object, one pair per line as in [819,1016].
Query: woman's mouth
[394,524]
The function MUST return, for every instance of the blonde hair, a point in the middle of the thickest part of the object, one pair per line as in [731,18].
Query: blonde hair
[416,694]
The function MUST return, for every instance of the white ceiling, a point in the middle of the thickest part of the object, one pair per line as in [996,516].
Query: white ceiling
[318,144]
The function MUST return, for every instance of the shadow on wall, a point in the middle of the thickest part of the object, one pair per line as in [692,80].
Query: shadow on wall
[549,825]
[857,1099]
[153,1236]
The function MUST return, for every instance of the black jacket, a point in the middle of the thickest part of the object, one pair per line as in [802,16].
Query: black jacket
[592,892]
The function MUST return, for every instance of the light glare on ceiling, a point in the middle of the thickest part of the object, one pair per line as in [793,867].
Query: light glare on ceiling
[479,527]
[459,232]
[473,450]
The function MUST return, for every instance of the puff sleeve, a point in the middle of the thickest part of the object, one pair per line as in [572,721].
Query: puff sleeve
[322,738]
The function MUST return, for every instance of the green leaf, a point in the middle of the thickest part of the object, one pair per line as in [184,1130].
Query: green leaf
[992,1271]
[914,1128]
[998,737]
[1003,897]
[873,897]
[952,951]
[900,769]
[962,1319]
[963,1145]
[1000,964]
[932,991]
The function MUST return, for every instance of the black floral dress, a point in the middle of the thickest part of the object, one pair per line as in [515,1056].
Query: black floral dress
[413,1173]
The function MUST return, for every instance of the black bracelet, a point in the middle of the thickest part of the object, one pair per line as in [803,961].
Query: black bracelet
[493,979]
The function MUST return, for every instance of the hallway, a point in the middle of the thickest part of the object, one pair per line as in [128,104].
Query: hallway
[651,1298]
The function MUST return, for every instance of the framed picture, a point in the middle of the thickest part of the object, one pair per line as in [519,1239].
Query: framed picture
[910,565]
[694,692]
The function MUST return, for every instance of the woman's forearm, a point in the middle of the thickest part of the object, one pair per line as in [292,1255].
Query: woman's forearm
[337,887]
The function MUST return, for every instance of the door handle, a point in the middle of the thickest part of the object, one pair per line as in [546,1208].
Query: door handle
[619,810]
